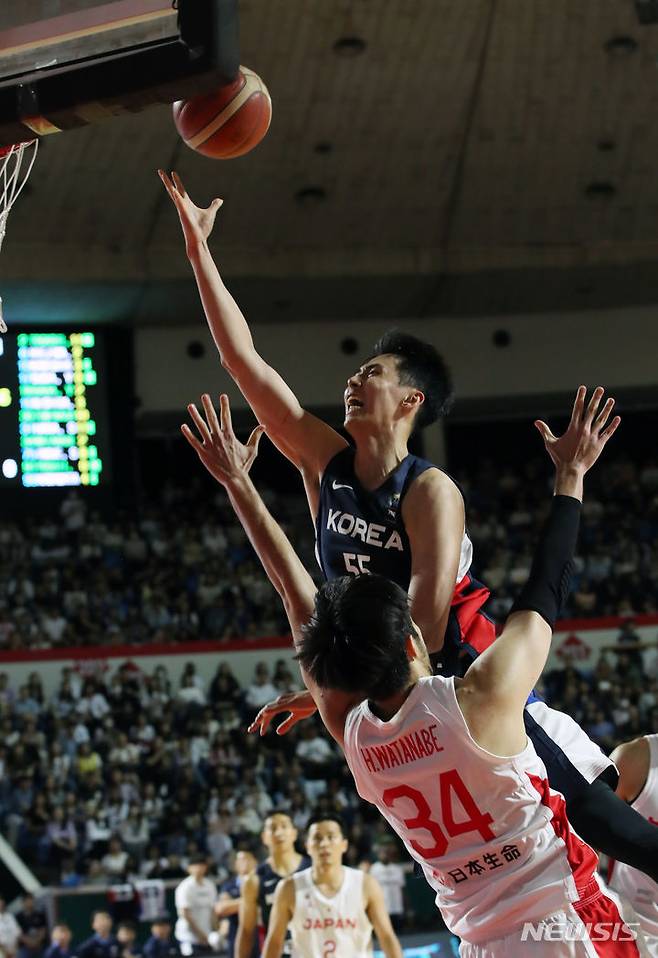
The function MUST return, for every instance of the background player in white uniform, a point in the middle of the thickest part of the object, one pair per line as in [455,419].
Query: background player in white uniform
[637,762]
[330,909]
[447,761]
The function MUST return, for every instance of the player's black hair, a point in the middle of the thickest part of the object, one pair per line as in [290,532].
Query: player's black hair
[355,639]
[421,366]
[328,816]
[277,811]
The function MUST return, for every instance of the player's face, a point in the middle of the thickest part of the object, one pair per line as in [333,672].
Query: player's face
[244,863]
[102,925]
[374,395]
[279,833]
[325,844]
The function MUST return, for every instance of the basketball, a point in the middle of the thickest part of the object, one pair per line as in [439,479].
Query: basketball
[229,122]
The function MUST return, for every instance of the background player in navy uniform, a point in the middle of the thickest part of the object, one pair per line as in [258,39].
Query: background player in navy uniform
[102,943]
[161,942]
[230,900]
[576,766]
[279,836]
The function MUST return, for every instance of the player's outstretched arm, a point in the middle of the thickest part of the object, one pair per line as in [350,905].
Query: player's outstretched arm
[247,917]
[229,461]
[282,912]
[380,919]
[504,675]
[303,438]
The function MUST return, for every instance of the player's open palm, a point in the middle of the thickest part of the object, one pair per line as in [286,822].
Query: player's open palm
[223,455]
[196,221]
[587,433]
[298,705]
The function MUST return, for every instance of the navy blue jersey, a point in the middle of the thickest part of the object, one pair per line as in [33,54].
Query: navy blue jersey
[268,879]
[360,530]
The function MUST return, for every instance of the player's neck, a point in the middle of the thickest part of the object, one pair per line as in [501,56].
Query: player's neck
[377,455]
[286,862]
[328,878]
[385,709]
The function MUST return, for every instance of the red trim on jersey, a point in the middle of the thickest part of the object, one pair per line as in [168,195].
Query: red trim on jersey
[602,913]
[582,859]
[474,628]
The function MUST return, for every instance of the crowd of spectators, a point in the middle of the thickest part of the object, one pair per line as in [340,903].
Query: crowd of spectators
[616,566]
[180,567]
[109,778]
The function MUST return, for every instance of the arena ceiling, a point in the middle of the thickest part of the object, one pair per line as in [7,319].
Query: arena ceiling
[480,156]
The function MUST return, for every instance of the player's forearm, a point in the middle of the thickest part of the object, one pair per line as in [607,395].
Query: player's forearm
[390,946]
[273,548]
[273,946]
[569,482]
[227,324]
[244,942]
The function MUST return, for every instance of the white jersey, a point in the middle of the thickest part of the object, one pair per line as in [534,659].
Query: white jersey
[633,885]
[491,835]
[322,927]
[200,898]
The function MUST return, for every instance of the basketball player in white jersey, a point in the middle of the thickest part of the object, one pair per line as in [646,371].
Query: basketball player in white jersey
[637,762]
[330,909]
[447,761]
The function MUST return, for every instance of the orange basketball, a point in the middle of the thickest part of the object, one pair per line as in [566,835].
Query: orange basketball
[229,122]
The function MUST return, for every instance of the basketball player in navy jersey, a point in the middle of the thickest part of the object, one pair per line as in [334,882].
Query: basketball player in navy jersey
[278,836]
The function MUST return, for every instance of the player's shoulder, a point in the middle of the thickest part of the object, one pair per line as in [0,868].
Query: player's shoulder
[432,488]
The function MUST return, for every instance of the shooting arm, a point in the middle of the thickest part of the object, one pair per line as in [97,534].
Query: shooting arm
[433,513]
[303,438]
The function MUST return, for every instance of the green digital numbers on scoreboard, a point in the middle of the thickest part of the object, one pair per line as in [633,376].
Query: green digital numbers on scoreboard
[56,381]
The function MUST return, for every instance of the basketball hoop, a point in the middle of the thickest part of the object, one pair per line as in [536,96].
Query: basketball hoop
[16,164]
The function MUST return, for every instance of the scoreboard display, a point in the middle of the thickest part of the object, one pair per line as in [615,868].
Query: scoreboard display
[53,410]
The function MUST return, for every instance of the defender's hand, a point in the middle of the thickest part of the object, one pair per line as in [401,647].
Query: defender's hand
[300,705]
[586,435]
[197,223]
[222,454]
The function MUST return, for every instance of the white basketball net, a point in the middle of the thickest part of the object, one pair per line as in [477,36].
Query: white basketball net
[16,164]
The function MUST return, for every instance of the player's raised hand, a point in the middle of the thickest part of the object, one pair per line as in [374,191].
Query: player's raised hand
[224,456]
[299,705]
[586,435]
[196,221]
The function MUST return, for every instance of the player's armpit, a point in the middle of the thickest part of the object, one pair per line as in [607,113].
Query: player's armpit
[380,919]
[433,513]
[632,760]
[280,916]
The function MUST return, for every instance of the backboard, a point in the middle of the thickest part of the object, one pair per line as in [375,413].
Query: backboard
[67,63]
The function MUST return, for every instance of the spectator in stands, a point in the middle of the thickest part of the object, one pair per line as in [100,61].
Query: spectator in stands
[261,690]
[391,877]
[102,944]
[161,944]
[116,860]
[34,928]
[127,938]
[195,900]
[10,931]
[60,942]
